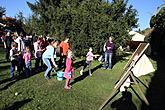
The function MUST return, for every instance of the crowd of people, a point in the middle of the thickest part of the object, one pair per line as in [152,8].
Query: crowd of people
[21,48]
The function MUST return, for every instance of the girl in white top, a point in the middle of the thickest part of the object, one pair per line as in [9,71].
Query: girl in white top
[48,56]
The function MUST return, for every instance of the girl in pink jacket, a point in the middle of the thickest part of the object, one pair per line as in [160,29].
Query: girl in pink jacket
[69,70]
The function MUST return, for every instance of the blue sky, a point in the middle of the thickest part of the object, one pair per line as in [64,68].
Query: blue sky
[145,8]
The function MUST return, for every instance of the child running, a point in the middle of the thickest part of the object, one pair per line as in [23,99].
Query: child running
[69,70]
[89,59]
[27,57]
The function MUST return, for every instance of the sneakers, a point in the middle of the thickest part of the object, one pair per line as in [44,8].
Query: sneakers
[109,68]
[68,87]
[103,68]
[90,74]
[47,77]
[81,72]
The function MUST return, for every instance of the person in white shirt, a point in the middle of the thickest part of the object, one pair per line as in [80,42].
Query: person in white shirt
[37,53]
[20,43]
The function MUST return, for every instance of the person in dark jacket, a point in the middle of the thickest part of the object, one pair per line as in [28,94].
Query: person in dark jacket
[109,46]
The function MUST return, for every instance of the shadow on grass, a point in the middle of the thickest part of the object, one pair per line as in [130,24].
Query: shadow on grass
[76,65]
[156,91]
[85,74]
[117,58]
[124,102]
[2,68]
[18,104]
[17,78]
[8,85]
[79,64]
[4,62]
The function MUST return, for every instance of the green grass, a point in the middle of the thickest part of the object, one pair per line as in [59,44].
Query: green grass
[87,93]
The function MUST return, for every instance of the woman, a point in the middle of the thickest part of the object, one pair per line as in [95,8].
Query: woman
[48,57]
[109,46]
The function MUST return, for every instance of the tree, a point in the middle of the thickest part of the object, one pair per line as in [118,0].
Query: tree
[86,22]
[157,23]
[2,11]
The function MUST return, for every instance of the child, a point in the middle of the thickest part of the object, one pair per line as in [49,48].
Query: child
[48,58]
[27,57]
[13,58]
[69,70]
[89,59]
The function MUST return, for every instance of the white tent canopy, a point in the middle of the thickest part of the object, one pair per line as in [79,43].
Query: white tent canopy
[136,36]
[142,67]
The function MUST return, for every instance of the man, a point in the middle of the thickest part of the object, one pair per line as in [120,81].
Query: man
[21,48]
[20,43]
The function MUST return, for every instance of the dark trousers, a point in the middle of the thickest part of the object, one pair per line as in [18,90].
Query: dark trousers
[61,60]
[7,53]
[21,64]
[28,68]
[37,63]
[87,63]
[14,63]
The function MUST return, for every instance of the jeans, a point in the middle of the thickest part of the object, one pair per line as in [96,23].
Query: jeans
[48,64]
[28,68]
[12,68]
[21,64]
[108,55]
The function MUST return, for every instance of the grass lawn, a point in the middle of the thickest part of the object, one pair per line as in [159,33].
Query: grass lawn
[87,93]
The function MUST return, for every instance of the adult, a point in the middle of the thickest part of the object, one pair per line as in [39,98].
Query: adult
[37,53]
[64,46]
[21,48]
[109,46]
[20,43]
[48,57]
[44,43]
[7,44]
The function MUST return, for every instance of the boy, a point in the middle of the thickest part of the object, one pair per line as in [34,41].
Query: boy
[13,58]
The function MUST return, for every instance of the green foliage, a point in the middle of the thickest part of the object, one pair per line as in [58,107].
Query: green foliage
[158,20]
[157,23]
[2,11]
[86,22]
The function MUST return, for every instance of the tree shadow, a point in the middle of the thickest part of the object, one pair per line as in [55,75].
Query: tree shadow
[4,62]
[8,85]
[117,58]
[2,68]
[156,91]
[18,78]
[124,102]
[18,104]
[85,74]
[79,64]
